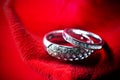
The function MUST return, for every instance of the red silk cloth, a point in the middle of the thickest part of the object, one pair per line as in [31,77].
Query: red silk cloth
[29,20]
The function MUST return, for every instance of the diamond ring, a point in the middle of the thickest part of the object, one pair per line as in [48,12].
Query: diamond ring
[64,52]
[84,39]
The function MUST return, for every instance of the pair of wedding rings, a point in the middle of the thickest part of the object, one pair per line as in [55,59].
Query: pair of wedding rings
[78,44]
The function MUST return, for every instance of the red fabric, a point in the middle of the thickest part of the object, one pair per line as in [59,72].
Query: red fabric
[29,20]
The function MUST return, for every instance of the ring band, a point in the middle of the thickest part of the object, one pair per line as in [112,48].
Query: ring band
[69,35]
[64,52]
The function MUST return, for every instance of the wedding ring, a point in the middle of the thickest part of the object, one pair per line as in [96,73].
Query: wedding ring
[81,38]
[61,51]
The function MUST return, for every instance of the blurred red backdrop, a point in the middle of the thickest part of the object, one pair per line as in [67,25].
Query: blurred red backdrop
[41,16]
[11,65]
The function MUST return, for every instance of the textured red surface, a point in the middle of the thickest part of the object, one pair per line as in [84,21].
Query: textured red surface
[29,20]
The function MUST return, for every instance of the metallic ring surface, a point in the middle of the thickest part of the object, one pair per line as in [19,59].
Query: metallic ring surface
[63,52]
[84,39]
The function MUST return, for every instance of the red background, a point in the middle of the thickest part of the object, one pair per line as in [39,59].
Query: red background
[12,66]
[42,16]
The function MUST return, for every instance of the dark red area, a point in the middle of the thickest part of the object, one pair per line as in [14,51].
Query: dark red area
[28,22]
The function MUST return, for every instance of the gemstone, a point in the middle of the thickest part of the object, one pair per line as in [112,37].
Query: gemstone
[49,51]
[85,55]
[58,58]
[76,59]
[70,50]
[59,49]
[70,59]
[76,50]
[82,50]
[64,50]
[67,55]
[74,56]
[89,53]
[54,54]
[65,59]
[82,57]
